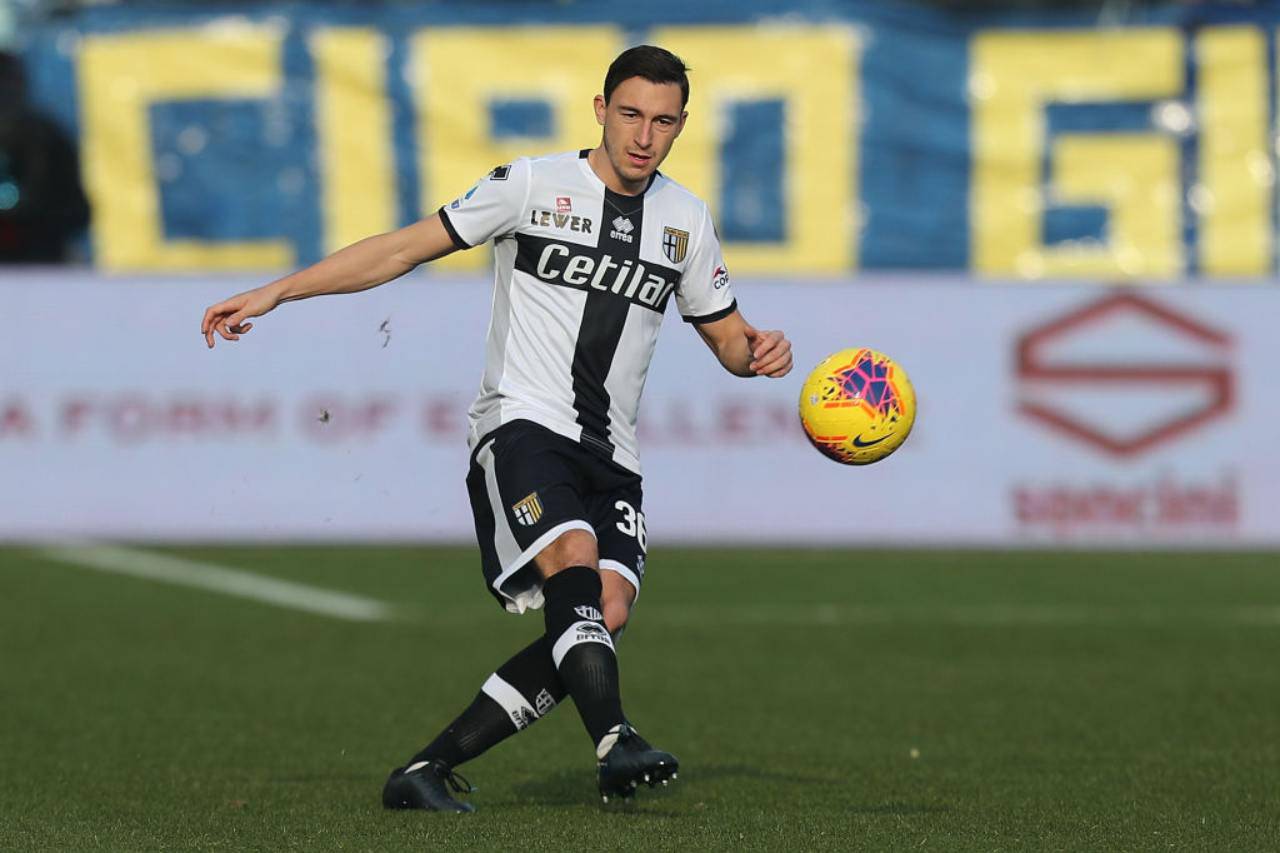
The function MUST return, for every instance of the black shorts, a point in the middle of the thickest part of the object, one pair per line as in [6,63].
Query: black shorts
[528,485]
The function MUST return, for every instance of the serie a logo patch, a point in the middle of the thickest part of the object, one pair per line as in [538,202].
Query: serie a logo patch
[528,509]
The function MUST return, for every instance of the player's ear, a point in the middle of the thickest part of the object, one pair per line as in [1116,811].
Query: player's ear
[600,109]
[684,114]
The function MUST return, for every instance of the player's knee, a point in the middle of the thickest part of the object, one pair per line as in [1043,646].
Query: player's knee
[616,614]
[572,548]
[617,597]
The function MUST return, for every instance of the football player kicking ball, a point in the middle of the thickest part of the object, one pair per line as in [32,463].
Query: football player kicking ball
[589,247]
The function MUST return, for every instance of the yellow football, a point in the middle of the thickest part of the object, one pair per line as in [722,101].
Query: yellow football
[857,406]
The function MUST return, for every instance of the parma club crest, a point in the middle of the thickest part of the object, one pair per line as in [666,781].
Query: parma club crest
[675,244]
[528,510]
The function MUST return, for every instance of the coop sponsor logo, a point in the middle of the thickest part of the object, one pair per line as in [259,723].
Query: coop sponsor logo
[719,277]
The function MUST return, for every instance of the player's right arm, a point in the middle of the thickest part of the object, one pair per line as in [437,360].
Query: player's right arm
[360,266]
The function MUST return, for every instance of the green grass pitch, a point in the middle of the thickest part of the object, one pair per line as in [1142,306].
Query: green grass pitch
[818,700]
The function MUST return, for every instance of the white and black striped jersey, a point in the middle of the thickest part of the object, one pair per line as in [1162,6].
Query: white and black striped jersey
[583,276]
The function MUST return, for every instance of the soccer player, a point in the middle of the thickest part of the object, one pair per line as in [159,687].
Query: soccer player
[589,247]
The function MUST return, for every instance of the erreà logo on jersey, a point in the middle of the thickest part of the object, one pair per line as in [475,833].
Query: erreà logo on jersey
[593,269]
[622,229]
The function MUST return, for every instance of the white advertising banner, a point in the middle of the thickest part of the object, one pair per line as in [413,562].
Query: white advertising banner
[1048,415]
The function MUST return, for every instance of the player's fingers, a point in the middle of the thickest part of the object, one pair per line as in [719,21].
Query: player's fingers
[212,316]
[778,357]
[766,366]
[781,370]
[771,343]
[224,331]
[236,324]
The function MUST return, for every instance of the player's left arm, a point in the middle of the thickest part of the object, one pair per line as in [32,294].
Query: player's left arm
[745,350]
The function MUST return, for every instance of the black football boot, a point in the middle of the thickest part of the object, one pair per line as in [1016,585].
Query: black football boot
[631,761]
[426,785]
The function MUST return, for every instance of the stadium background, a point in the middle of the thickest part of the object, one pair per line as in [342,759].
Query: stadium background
[1060,218]
[1065,232]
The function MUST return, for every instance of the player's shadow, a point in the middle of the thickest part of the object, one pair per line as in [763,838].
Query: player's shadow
[313,778]
[898,808]
[746,771]
[569,788]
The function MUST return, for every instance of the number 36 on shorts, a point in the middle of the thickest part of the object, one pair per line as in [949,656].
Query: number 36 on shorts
[632,523]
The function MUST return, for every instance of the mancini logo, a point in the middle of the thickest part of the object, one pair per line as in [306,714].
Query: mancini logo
[1124,374]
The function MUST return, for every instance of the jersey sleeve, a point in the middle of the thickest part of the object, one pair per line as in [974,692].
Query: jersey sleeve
[491,209]
[704,294]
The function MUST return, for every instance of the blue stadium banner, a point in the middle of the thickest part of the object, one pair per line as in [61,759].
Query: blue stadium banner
[829,137]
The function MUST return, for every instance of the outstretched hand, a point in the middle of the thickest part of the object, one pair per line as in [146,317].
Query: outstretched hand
[228,317]
[770,353]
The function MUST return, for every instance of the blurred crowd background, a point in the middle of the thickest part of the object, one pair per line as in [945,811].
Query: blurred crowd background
[44,212]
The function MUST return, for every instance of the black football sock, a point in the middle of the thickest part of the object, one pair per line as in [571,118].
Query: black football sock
[582,648]
[522,690]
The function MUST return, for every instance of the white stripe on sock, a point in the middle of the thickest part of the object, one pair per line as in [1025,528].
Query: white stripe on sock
[577,633]
[511,700]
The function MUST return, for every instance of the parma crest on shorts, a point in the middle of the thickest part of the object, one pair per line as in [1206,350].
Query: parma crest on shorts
[675,244]
[528,510]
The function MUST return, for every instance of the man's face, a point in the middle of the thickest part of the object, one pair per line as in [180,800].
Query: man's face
[641,121]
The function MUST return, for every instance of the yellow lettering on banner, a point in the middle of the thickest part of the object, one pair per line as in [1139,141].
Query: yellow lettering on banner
[814,71]
[120,77]
[461,70]
[1130,175]
[355,133]
[1236,176]
[1013,77]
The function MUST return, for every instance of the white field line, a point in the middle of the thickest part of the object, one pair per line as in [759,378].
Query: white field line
[340,605]
[220,579]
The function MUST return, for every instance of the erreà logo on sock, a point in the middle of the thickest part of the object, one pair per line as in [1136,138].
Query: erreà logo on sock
[586,611]
[523,718]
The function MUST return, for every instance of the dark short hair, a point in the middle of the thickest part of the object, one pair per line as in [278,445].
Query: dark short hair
[653,64]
